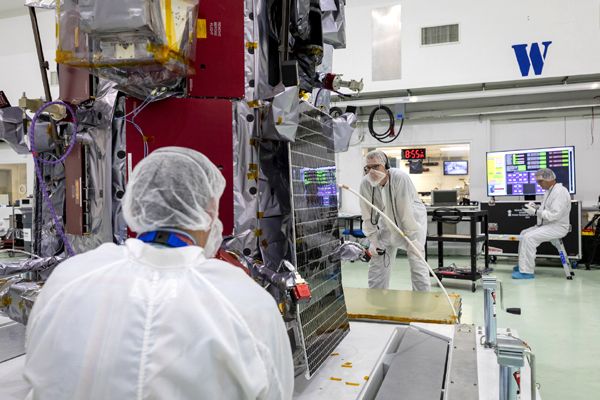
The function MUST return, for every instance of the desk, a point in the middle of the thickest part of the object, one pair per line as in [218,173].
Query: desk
[473,217]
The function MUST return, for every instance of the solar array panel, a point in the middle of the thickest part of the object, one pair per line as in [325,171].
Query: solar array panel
[323,321]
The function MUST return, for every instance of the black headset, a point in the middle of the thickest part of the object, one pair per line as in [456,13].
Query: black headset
[387,161]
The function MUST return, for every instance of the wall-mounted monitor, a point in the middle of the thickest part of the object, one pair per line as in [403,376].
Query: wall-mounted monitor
[512,173]
[460,167]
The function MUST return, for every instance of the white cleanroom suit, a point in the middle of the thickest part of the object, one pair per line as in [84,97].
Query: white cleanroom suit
[140,322]
[552,223]
[399,200]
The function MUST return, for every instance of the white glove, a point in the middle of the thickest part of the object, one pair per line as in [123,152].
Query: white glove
[530,210]
[533,205]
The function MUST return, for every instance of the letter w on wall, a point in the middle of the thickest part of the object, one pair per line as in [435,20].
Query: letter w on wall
[534,58]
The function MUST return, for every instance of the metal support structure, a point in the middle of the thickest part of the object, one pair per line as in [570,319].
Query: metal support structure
[43,64]
[489,310]
[40,53]
[511,358]
[564,259]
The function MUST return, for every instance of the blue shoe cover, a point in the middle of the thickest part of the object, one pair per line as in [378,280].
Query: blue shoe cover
[521,275]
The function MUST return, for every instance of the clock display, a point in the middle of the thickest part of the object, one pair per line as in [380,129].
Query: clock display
[413,154]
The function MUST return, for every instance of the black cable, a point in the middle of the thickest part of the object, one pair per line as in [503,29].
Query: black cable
[454,218]
[389,135]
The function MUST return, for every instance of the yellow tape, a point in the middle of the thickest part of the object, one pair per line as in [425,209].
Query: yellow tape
[201,29]
[352,384]
[335,379]
[169,25]
[254,103]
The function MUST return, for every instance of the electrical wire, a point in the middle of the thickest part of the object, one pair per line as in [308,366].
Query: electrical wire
[389,135]
[134,113]
[37,161]
[410,243]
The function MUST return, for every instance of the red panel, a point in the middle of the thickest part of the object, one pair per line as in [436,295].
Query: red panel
[219,65]
[200,124]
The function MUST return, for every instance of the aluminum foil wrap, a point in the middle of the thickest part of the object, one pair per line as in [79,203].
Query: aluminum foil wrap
[299,18]
[11,129]
[50,242]
[119,157]
[267,64]
[250,54]
[275,209]
[38,268]
[245,180]
[334,23]
[20,284]
[16,299]
[50,4]
[281,121]
[343,128]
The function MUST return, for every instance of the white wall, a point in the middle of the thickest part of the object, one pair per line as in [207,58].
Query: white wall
[488,29]
[19,69]
[488,135]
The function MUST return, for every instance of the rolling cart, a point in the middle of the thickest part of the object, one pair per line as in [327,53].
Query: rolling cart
[454,216]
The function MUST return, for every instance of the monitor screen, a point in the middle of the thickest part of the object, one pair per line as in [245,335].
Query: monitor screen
[512,173]
[444,197]
[456,167]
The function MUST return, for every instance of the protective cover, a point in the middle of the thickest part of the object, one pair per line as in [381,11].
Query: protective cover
[11,129]
[119,166]
[145,46]
[20,284]
[334,23]
[281,121]
[343,128]
[245,181]
[50,4]
[17,297]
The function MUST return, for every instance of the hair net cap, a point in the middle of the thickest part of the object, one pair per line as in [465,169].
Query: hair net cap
[173,187]
[545,174]
[376,157]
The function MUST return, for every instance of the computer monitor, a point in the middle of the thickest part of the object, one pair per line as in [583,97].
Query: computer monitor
[460,167]
[444,197]
[512,173]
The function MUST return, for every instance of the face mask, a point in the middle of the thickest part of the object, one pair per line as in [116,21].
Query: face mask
[375,177]
[215,238]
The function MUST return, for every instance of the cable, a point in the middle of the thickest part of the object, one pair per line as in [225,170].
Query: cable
[410,243]
[453,219]
[38,168]
[135,112]
[389,135]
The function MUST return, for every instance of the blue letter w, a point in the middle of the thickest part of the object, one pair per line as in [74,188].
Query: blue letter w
[534,58]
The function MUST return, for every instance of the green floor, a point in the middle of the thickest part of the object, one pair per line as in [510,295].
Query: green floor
[560,320]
